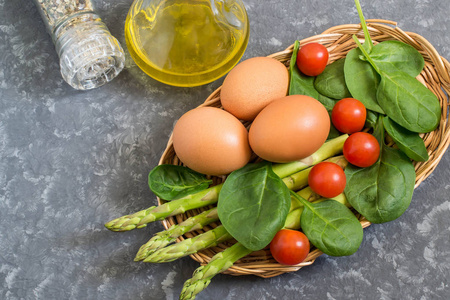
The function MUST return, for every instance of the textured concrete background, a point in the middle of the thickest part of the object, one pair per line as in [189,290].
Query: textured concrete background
[71,160]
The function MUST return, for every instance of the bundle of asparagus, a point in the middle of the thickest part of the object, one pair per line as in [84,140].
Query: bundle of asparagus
[161,247]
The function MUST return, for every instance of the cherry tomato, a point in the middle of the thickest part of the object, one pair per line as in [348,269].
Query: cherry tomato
[361,149]
[348,115]
[312,59]
[327,179]
[289,247]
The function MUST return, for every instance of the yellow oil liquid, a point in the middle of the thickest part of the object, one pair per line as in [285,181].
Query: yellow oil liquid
[186,43]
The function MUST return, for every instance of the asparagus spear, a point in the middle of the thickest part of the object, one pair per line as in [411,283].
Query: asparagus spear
[163,238]
[329,149]
[210,195]
[219,263]
[156,213]
[190,246]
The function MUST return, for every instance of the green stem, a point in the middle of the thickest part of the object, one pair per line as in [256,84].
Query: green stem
[366,54]
[293,219]
[368,42]
[297,180]
[329,149]
[171,208]
[166,237]
[341,198]
[220,262]
[190,246]
[302,200]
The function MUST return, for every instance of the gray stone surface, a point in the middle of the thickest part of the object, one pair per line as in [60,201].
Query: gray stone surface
[71,160]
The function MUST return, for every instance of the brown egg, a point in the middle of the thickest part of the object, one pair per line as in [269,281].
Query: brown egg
[211,141]
[289,128]
[253,84]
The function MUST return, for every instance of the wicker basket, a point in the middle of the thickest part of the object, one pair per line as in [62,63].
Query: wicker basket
[338,40]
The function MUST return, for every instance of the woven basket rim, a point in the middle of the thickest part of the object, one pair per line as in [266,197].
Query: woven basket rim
[337,39]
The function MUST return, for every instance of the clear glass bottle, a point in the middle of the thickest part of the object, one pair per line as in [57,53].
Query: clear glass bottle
[89,55]
[186,42]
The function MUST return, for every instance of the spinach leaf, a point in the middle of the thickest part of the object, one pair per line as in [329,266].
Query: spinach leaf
[383,191]
[253,205]
[170,182]
[409,142]
[404,99]
[331,227]
[408,102]
[392,56]
[331,82]
[362,80]
[301,84]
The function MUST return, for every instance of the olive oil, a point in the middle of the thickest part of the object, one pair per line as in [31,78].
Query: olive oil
[186,43]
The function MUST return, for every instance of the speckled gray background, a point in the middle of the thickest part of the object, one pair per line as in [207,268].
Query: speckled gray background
[71,160]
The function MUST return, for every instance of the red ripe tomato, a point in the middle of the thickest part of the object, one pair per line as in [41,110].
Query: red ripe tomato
[361,149]
[312,59]
[289,247]
[327,179]
[348,115]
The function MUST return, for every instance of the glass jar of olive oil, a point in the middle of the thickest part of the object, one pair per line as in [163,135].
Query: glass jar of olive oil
[186,42]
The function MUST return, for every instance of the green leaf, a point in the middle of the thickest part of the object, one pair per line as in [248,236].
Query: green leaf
[331,227]
[383,191]
[301,84]
[392,56]
[331,82]
[371,119]
[170,182]
[408,102]
[409,142]
[362,80]
[404,99]
[253,205]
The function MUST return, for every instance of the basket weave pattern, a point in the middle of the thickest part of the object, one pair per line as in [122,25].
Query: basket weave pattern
[338,40]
